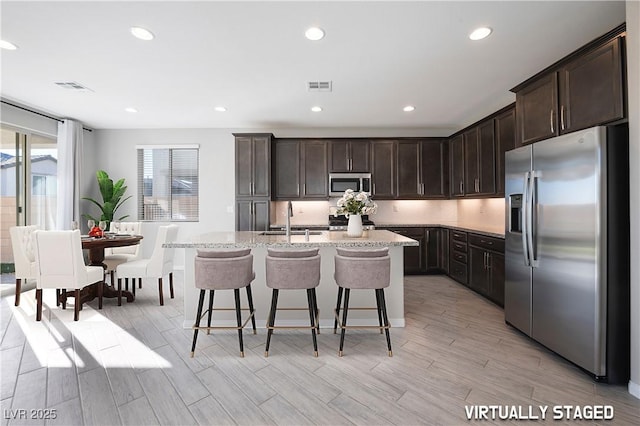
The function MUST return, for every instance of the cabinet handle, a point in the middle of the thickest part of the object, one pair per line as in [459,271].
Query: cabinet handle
[485,260]
[427,236]
[551,120]
[461,190]
[488,260]
[562,117]
[304,189]
[350,163]
[298,189]
[477,184]
[374,188]
[422,185]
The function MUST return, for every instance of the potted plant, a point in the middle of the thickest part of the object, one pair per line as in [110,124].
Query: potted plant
[352,205]
[111,197]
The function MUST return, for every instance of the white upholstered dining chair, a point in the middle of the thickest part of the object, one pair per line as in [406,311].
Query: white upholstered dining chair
[114,256]
[159,265]
[60,265]
[23,256]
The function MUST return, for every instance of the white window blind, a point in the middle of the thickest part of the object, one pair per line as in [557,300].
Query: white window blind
[168,184]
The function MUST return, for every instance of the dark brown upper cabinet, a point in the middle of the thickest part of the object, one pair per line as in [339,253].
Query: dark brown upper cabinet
[383,170]
[286,165]
[422,169]
[253,159]
[435,169]
[473,161]
[591,90]
[349,156]
[471,166]
[301,170]
[585,89]
[486,159]
[536,110]
[409,165]
[505,140]
[313,165]
[456,155]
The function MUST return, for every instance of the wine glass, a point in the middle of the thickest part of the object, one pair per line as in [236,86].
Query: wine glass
[91,224]
[102,225]
[115,225]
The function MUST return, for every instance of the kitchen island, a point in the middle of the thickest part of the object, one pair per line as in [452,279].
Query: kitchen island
[326,241]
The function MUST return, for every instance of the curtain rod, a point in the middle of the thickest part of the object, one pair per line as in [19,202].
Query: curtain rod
[39,113]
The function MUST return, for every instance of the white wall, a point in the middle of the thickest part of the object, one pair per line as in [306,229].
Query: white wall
[633,77]
[117,155]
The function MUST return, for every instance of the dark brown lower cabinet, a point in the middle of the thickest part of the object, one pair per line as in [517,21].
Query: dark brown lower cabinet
[486,267]
[414,256]
[432,252]
[443,250]
[425,258]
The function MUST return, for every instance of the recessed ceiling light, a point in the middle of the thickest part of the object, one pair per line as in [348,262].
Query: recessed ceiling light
[4,44]
[316,109]
[131,109]
[480,33]
[220,109]
[142,33]
[314,33]
[409,108]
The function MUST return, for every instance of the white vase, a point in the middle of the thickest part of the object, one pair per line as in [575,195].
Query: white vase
[354,228]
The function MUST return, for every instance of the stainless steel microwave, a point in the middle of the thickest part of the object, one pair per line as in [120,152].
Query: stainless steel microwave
[340,182]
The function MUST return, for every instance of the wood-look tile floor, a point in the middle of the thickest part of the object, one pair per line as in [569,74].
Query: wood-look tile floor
[131,365]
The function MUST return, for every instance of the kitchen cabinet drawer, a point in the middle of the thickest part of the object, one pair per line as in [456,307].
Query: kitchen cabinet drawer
[458,271]
[459,257]
[458,246]
[459,236]
[489,243]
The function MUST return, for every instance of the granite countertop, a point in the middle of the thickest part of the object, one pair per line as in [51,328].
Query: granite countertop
[376,238]
[491,231]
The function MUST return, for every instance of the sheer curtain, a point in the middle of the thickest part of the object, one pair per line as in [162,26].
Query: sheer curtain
[69,173]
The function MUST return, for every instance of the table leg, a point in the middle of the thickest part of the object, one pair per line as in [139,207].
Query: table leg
[96,258]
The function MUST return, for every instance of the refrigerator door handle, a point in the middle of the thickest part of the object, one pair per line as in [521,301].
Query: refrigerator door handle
[530,226]
[524,220]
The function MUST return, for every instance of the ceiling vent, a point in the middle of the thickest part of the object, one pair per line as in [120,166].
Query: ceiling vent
[319,86]
[72,85]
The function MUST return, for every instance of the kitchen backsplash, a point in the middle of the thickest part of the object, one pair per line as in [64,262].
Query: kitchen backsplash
[488,211]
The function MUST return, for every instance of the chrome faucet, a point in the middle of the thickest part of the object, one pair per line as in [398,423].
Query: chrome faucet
[289,215]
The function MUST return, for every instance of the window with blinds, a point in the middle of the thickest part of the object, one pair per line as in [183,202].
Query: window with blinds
[168,184]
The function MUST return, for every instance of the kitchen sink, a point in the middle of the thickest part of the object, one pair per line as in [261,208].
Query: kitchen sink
[292,233]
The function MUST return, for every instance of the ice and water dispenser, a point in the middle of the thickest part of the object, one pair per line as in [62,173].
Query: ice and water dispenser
[515,213]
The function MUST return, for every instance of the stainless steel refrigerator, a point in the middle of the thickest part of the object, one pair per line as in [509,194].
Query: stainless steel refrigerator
[567,247]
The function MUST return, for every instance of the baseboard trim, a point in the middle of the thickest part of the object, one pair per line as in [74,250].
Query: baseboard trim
[634,389]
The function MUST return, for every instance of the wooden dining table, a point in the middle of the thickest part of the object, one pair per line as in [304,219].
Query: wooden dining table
[96,248]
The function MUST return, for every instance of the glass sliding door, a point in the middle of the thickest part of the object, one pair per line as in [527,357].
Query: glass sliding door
[28,173]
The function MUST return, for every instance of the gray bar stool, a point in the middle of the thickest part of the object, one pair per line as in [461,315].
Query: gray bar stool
[362,269]
[224,270]
[293,270]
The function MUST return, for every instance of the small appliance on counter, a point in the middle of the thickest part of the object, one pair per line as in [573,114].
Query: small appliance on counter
[340,222]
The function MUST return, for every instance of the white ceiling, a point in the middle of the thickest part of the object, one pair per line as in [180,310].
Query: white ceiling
[252,58]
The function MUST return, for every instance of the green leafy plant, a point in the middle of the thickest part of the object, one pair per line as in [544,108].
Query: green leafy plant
[111,197]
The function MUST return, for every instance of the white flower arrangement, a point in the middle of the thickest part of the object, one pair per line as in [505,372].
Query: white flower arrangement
[356,203]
